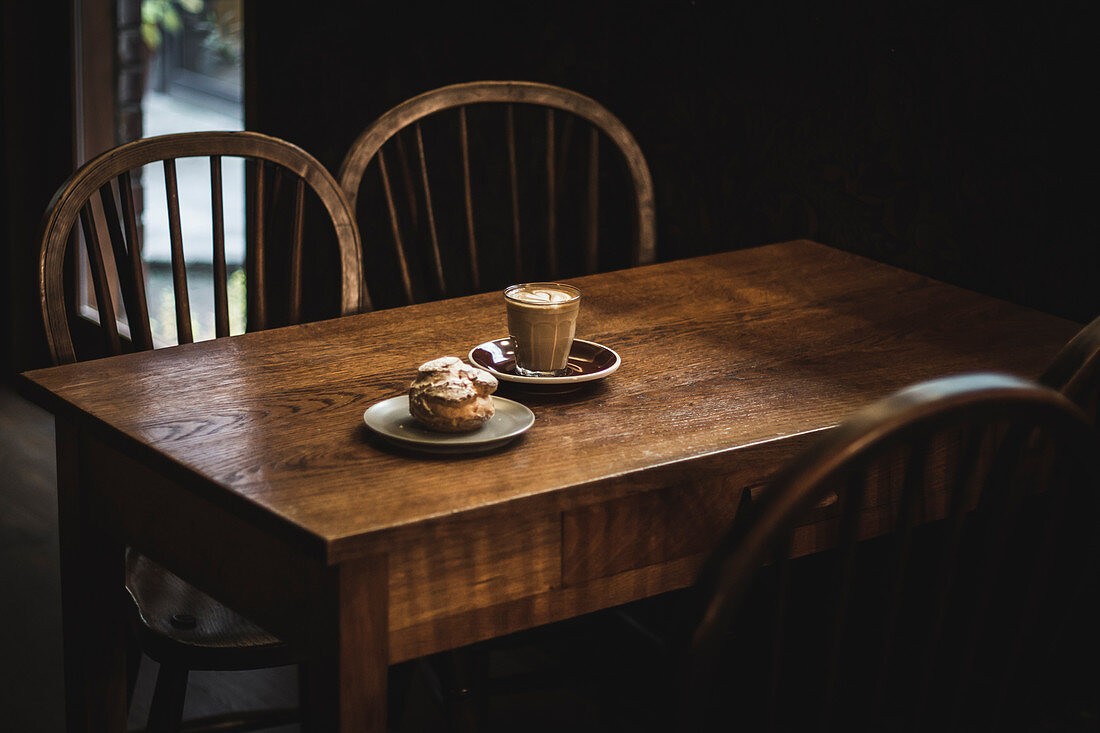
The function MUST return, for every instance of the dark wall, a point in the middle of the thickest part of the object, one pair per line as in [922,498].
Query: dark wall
[35,157]
[949,138]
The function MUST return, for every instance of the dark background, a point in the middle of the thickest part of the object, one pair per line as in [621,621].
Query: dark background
[950,138]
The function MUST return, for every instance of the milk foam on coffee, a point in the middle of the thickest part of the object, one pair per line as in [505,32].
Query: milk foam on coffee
[538,295]
[542,318]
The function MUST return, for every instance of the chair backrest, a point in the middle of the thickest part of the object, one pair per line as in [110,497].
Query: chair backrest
[973,503]
[421,205]
[1075,371]
[101,195]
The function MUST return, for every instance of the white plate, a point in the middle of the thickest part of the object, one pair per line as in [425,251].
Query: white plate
[391,419]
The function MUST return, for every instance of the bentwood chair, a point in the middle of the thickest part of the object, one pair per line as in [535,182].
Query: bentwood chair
[478,185]
[960,552]
[506,184]
[174,623]
[1075,371]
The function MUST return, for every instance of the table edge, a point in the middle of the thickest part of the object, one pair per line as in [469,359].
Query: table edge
[284,529]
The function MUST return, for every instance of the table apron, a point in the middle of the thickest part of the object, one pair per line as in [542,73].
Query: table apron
[259,576]
[473,579]
[622,550]
[460,581]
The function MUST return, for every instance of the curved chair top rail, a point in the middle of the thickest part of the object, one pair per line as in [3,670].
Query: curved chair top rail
[921,408]
[367,145]
[65,207]
[1074,370]
[956,434]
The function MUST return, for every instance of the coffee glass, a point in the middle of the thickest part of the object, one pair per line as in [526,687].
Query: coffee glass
[542,318]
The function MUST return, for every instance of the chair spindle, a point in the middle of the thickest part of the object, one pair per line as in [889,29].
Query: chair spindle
[563,149]
[848,534]
[140,331]
[437,259]
[276,185]
[395,226]
[99,280]
[123,263]
[464,139]
[166,709]
[966,469]
[257,302]
[1001,516]
[782,563]
[407,178]
[295,305]
[179,267]
[905,524]
[593,238]
[1029,592]
[221,296]
[510,141]
[551,198]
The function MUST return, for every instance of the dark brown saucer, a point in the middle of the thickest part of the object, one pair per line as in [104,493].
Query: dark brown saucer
[588,362]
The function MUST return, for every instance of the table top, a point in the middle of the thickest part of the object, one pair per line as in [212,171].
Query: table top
[718,353]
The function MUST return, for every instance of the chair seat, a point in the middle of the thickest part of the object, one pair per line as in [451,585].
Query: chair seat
[178,624]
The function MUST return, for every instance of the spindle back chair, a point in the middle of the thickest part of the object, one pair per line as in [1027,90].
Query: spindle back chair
[100,194]
[422,207]
[966,565]
[175,623]
[1075,371]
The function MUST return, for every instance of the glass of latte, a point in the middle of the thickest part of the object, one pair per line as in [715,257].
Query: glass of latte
[542,318]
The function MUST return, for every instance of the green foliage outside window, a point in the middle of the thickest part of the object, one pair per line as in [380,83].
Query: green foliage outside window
[162,16]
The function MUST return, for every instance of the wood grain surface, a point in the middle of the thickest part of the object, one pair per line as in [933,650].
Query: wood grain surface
[720,354]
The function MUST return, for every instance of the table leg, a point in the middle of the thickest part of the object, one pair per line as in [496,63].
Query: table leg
[345,684]
[93,568]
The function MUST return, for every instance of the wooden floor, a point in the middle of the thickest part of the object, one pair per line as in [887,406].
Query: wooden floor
[546,686]
[30,603]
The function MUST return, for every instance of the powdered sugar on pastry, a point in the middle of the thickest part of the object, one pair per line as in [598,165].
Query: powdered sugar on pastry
[451,396]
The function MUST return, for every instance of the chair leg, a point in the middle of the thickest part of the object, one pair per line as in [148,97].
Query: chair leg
[303,695]
[400,678]
[166,711]
[396,692]
[133,664]
[466,674]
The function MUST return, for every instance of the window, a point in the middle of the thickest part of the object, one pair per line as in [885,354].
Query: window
[180,70]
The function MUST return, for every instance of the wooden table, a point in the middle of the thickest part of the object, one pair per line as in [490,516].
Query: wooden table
[243,464]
